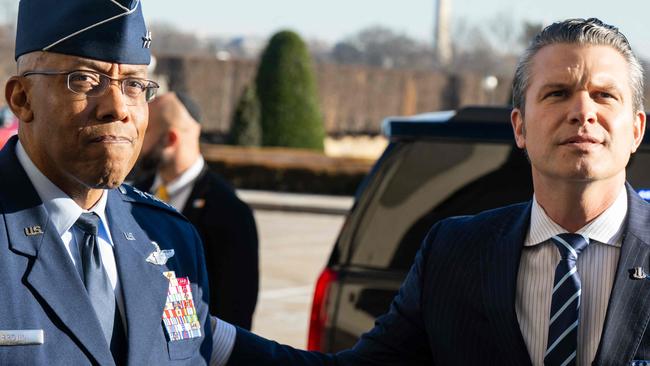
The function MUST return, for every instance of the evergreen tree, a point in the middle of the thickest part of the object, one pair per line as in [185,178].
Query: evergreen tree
[286,89]
[246,129]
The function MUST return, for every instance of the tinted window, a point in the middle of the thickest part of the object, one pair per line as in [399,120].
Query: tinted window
[426,181]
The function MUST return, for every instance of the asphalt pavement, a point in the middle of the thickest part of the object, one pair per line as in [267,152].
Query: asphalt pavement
[297,233]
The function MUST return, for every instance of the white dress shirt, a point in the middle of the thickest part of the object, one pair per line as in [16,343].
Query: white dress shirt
[179,189]
[63,211]
[596,267]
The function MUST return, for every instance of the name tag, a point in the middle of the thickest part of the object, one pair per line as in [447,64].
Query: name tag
[21,337]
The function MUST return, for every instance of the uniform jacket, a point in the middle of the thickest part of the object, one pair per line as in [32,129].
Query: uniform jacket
[40,288]
[457,304]
[227,229]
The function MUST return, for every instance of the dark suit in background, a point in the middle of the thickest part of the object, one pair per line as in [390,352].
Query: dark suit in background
[227,228]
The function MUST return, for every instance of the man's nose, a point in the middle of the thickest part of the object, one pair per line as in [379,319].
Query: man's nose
[112,105]
[583,108]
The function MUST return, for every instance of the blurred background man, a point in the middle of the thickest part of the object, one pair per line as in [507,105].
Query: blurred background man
[178,175]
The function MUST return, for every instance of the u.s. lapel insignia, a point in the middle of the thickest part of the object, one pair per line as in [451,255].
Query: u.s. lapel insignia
[129,236]
[33,230]
[637,273]
[159,257]
[146,40]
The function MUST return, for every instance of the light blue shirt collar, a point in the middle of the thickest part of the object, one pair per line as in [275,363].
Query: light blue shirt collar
[63,210]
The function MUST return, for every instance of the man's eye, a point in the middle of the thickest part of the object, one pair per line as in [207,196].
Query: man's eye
[135,84]
[556,94]
[605,95]
[84,77]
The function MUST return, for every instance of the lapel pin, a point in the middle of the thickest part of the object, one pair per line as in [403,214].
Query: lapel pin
[637,273]
[129,236]
[33,230]
[198,203]
[159,257]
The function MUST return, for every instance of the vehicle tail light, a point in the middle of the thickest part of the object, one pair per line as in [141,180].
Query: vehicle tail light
[318,319]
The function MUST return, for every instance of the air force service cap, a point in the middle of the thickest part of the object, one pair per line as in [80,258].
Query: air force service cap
[105,30]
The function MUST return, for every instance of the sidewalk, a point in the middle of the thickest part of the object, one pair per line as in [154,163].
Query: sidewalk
[296,202]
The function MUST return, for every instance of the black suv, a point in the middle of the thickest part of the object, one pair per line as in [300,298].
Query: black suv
[436,165]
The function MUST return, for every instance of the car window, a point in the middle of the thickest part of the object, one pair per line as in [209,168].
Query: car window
[430,180]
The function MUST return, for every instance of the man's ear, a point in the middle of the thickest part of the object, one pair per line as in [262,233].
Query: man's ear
[518,127]
[638,129]
[17,98]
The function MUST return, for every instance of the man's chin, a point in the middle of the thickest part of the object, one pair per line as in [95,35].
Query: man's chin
[109,184]
[106,180]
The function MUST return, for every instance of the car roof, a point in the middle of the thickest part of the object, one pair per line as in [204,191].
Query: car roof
[488,124]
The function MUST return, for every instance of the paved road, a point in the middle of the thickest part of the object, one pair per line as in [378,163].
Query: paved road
[294,248]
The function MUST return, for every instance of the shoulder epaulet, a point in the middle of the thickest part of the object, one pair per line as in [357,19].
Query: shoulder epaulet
[133,194]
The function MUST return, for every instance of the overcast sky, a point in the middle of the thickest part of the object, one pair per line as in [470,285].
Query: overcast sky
[333,20]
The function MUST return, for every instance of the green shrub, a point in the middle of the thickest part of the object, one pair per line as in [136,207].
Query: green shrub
[246,128]
[287,93]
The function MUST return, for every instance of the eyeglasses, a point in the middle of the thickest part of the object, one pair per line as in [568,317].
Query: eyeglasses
[94,84]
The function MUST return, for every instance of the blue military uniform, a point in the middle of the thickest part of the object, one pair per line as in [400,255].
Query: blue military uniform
[46,313]
[41,289]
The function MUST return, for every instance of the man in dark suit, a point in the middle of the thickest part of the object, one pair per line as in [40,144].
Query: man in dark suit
[545,282]
[225,223]
[93,271]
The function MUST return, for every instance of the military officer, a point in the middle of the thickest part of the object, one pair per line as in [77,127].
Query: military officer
[93,271]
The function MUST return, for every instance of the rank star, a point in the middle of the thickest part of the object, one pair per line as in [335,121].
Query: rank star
[146,40]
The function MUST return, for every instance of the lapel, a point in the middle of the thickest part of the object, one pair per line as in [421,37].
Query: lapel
[499,267]
[628,311]
[52,275]
[198,192]
[144,287]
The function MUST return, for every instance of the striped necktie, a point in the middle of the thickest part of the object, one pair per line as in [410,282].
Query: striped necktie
[565,304]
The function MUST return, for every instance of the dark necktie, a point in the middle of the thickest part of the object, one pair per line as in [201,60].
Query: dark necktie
[562,344]
[98,286]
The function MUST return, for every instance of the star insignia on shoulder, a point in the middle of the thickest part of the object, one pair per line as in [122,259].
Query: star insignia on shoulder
[146,40]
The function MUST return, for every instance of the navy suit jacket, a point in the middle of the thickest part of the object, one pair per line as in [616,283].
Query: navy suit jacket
[457,304]
[40,289]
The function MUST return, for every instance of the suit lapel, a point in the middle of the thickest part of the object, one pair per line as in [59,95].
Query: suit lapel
[628,311]
[198,192]
[499,268]
[52,276]
[143,285]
